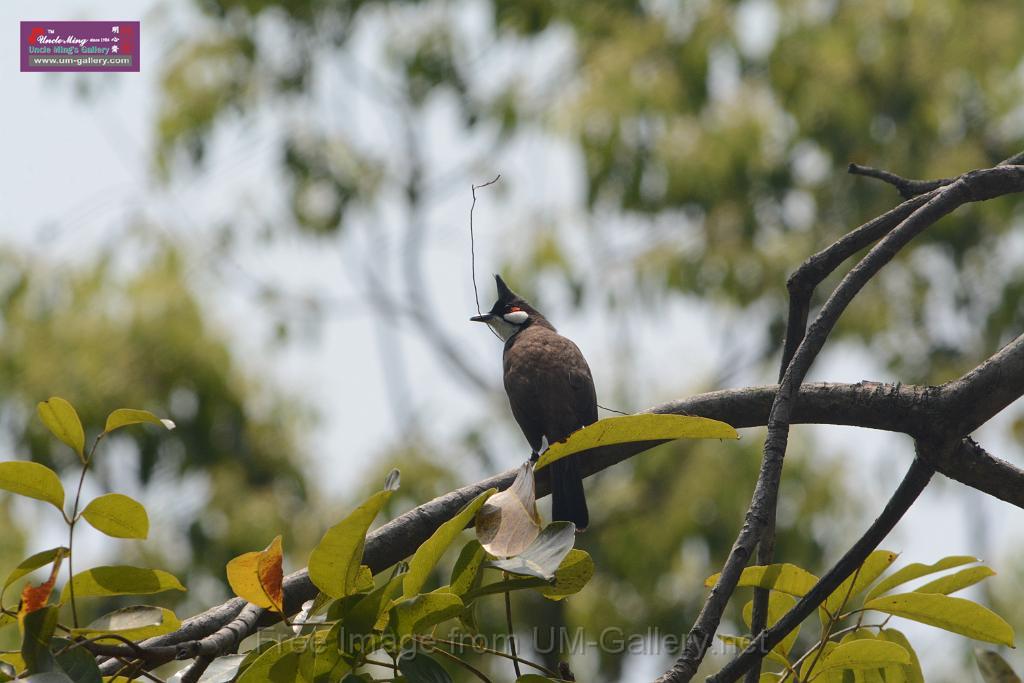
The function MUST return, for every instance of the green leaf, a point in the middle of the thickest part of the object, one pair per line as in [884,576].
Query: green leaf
[952,614]
[912,672]
[419,614]
[994,668]
[137,622]
[429,553]
[35,644]
[117,515]
[334,562]
[786,578]
[32,480]
[535,678]
[505,586]
[60,418]
[29,565]
[778,604]
[571,576]
[365,613]
[956,581]
[122,417]
[863,654]
[76,662]
[544,555]
[119,580]
[876,563]
[915,571]
[636,428]
[321,660]
[466,574]
[417,667]
[279,663]
[742,642]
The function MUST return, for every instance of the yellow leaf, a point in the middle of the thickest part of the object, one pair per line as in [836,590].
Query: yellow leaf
[118,516]
[741,643]
[912,671]
[778,605]
[785,578]
[957,581]
[637,428]
[873,566]
[571,576]
[957,615]
[916,570]
[122,417]
[60,417]
[257,576]
[120,580]
[32,480]
[863,654]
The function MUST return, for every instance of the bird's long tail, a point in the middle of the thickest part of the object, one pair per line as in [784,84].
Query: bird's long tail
[569,503]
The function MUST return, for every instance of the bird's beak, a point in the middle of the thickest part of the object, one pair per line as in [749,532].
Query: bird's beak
[485,318]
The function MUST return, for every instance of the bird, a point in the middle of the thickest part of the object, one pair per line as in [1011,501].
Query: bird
[550,390]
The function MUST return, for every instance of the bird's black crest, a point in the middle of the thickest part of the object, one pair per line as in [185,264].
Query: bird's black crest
[504,293]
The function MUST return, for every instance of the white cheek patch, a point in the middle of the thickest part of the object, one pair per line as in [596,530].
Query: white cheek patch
[516,317]
[504,329]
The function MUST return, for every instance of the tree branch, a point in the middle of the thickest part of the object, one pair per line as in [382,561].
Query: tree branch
[914,482]
[972,186]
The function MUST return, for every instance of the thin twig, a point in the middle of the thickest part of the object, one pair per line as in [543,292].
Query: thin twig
[464,664]
[511,630]
[472,238]
[498,653]
[907,188]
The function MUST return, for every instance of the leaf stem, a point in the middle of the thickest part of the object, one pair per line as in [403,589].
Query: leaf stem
[71,521]
[464,664]
[499,653]
[511,631]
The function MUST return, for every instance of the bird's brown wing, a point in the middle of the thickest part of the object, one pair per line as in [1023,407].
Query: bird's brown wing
[582,383]
[549,385]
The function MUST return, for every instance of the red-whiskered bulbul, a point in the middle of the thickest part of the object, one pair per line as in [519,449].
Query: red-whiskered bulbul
[550,389]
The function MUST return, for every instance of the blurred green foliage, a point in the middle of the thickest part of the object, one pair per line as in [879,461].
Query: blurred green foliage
[734,120]
[102,336]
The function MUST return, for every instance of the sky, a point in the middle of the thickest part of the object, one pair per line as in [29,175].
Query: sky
[103,180]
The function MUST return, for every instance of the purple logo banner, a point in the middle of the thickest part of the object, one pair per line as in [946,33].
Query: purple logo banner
[79,46]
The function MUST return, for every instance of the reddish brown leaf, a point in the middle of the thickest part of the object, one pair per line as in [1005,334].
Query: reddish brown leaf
[34,598]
